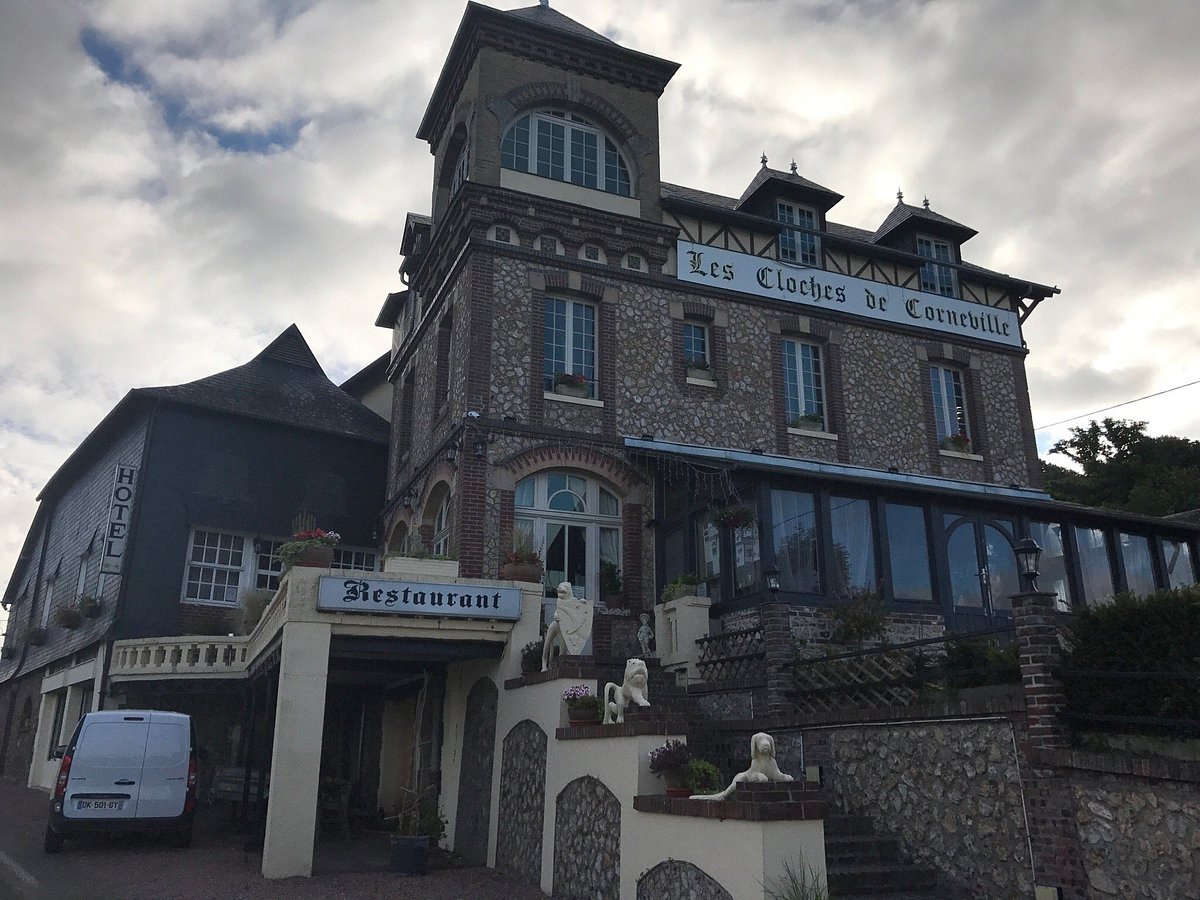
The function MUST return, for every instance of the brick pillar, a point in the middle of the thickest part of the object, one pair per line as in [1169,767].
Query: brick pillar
[776,619]
[1036,621]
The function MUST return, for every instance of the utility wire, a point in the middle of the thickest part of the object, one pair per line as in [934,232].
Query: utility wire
[1116,405]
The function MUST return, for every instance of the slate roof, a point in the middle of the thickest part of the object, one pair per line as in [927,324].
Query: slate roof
[902,212]
[283,384]
[552,18]
[763,175]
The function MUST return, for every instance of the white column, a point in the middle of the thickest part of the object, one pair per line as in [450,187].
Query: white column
[43,742]
[296,755]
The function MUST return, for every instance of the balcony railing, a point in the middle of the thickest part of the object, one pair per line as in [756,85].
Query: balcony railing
[189,657]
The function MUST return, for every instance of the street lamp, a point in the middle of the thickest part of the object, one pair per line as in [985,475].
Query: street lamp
[1028,555]
[772,576]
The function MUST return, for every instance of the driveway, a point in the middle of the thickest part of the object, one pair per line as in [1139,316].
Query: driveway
[216,867]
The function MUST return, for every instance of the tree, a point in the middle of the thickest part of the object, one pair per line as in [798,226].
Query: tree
[1124,468]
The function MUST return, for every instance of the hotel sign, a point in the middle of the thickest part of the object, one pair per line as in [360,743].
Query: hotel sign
[819,289]
[417,598]
[120,508]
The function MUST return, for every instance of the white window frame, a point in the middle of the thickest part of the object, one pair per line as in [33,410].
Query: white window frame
[937,276]
[795,246]
[248,559]
[949,409]
[573,333]
[704,358]
[560,162]
[803,396]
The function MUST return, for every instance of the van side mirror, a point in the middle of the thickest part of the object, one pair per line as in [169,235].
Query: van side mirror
[59,751]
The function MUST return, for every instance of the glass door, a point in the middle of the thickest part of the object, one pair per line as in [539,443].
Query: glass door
[566,557]
[982,571]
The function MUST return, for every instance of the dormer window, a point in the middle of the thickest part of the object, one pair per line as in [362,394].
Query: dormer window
[565,147]
[935,277]
[797,246]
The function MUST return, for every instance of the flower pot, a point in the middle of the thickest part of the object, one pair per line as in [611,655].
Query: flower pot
[521,572]
[673,779]
[316,557]
[410,853]
[571,390]
[583,715]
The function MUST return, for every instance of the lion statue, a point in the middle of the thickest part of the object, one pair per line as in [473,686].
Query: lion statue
[632,690]
[763,767]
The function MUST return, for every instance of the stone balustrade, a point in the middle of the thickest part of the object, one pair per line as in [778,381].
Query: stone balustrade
[188,657]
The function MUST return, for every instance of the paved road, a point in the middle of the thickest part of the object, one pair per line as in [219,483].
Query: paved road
[216,867]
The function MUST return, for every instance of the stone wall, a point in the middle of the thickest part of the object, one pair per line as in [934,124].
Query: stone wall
[1141,838]
[475,780]
[587,841]
[674,879]
[522,802]
[811,625]
[950,792]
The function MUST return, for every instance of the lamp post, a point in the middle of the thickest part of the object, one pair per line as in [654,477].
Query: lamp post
[772,576]
[1028,555]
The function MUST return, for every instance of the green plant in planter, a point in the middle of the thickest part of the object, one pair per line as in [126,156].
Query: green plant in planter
[531,658]
[959,443]
[701,777]
[610,578]
[68,616]
[809,422]
[581,701]
[680,587]
[863,618]
[290,551]
[669,759]
[90,607]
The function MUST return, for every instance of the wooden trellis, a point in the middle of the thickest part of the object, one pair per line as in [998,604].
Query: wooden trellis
[868,681]
[734,655]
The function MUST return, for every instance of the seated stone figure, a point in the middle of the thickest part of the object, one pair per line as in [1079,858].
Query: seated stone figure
[568,633]
[763,767]
[634,689]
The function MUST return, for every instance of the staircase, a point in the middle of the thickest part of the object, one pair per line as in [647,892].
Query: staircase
[864,864]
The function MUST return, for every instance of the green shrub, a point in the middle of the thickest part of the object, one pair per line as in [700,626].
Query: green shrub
[701,777]
[863,618]
[976,662]
[531,658]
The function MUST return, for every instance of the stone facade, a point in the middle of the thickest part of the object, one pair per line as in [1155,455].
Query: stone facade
[587,841]
[475,782]
[1140,838]
[950,792]
[522,802]
[675,879]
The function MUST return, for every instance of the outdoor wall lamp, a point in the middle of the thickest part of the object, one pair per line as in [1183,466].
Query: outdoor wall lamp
[481,444]
[772,576]
[452,450]
[1028,555]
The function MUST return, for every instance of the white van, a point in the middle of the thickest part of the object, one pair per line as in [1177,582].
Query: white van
[126,770]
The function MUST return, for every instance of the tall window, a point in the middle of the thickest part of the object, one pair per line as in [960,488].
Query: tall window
[565,147]
[794,245]
[441,528]
[1178,558]
[803,384]
[461,170]
[575,523]
[570,343]
[267,567]
[908,552]
[936,277]
[950,408]
[794,533]
[1050,536]
[1094,565]
[695,345]
[215,568]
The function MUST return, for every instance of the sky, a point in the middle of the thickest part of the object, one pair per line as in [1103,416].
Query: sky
[180,180]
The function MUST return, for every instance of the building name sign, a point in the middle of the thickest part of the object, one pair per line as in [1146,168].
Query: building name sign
[120,508]
[417,598]
[728,269]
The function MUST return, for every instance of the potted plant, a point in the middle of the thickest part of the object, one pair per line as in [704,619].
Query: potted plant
[808,422]
[418,824]
[68,616]
[699,367]
[611,585]
[733,516]
[571,384]
[583,708]
[523,562]
[701,777]
[669,762]
[90,607]
[311,547]
[682,586]
[957,443]
[531,658]
[36,635]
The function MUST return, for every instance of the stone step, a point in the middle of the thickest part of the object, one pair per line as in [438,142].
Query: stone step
[843,824]
[884,878]
[865,849]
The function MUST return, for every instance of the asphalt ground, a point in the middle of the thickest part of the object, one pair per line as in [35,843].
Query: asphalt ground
[218,865]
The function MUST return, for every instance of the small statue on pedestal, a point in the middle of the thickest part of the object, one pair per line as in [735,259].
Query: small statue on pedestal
[645,634]
[634,689]
[572,626]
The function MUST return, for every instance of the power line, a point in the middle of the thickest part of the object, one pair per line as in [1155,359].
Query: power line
[1116,405]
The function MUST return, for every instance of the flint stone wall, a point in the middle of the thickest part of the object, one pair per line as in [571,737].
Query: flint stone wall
[949,792]
[674,879]
[587,841]
[475,782]
[1140,838]
[522,802]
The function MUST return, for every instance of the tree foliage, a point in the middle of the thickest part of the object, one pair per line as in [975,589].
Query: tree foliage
[1121,467]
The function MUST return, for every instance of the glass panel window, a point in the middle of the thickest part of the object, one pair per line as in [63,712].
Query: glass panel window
[567,493]
[695,344]
[514,150]
[708,540]
[461,171]
[268,567]
[803,383]
[1178,558]
[523,498]
[1139,571]
[609,506]
[441,528]
[1094,565]
[950,408]
[746,558]
[215,571]
[569,345]
[81,581]
[1002,577]
[565,147]
[794,534]
[357,560]
[963,557]
[1053,577]
[908,551]
[551,149]
[853,547]
[797,246]
[936,278]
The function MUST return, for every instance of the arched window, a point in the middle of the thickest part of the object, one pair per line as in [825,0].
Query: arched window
[574,521]
[437,518]
[565,147]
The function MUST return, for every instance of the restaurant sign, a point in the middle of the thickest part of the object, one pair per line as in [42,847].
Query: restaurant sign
[417,598]
[819,289]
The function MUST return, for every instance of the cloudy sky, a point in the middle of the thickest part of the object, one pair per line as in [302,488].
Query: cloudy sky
[182,179]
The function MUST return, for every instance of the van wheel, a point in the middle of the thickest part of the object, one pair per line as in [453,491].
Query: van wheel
[53,841]
[181,839]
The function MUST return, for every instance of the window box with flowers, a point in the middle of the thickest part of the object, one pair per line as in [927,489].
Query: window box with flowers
[68,616]
[310,547]
[583,707]
[808,422]
[522,563]
[90,607]
[571,384]
[700,369]
[959,444]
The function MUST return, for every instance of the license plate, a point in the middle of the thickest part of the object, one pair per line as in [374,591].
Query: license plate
[117,805]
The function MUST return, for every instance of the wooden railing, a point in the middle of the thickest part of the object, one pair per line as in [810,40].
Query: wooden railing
[733,656]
